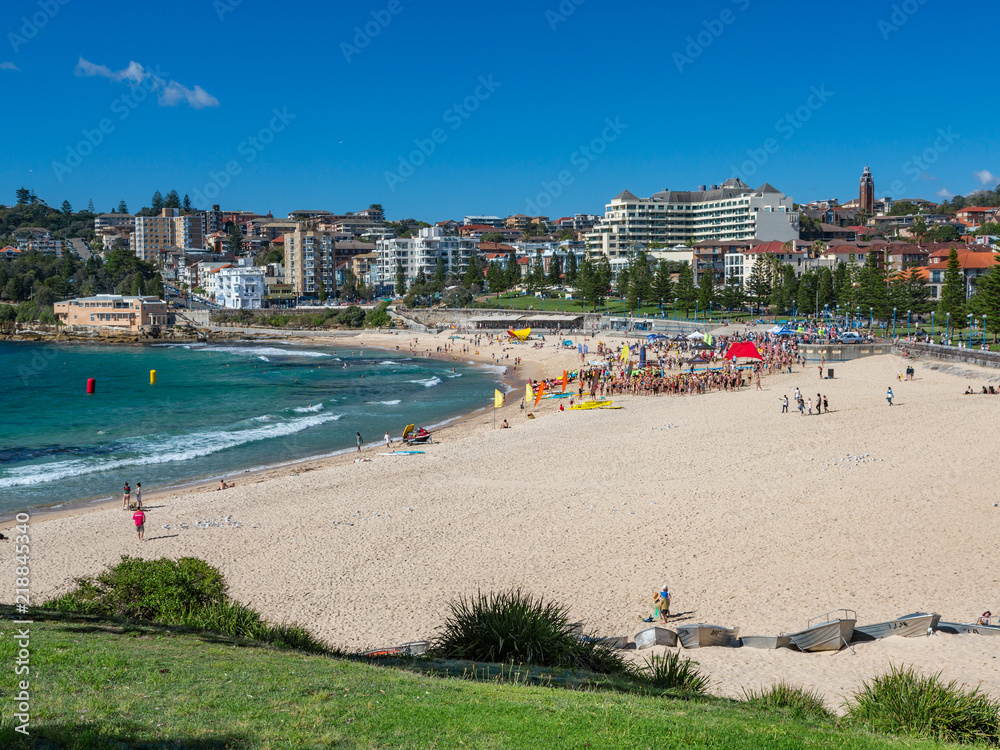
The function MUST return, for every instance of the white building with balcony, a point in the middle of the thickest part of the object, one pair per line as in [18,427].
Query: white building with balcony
[732,211]
[240,288]
[421,253]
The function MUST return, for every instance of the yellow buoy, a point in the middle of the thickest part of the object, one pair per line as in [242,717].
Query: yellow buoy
[152,377]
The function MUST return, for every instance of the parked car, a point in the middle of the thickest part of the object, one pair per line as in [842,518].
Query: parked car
[849,337]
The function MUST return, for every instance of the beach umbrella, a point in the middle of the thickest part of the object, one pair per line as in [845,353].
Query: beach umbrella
[695,335]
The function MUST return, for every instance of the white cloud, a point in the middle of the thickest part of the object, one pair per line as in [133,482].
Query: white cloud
[986,177]
[171,92]
[944,193]
[174,93]
[8,66]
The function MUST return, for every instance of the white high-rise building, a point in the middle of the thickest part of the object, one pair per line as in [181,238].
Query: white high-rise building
[420,253]
[732,211]
[240,288]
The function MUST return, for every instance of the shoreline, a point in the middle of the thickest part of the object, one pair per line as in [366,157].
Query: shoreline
[307,463]
[755,518]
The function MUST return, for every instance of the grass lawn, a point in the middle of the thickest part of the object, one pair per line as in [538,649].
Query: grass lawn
[100,685]
[610,307]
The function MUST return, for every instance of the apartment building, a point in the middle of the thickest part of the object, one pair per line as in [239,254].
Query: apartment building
[155,235]
[114,311]
[491,221]
[240,288]
[310,258]
[421,253]
[39,240]
[740,260]
[732,211]
[110,221]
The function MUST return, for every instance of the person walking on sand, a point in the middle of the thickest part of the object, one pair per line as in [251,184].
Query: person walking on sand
[140,523]
[784,404]
[360,440]
[138,495]
[888,395]
[126,496]
[826,406]
[388,440]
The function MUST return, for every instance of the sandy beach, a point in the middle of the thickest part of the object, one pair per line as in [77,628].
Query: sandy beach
[755,518]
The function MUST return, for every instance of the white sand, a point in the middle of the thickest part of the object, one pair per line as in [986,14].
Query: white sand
[732,507]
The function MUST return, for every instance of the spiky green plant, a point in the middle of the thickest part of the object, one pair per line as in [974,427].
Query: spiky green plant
[670,671]
[798,701]
[903,701]
[516,627]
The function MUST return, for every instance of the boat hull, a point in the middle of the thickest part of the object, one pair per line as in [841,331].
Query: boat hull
[908,626]
[655,637]
[769,642]
[826,636]
[702,636]
[967,628]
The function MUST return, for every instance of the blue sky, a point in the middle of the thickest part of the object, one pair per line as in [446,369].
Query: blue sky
[437,110]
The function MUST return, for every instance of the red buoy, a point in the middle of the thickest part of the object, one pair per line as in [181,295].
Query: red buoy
[91,385]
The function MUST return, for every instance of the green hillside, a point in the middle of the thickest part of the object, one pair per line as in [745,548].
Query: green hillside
[97,684]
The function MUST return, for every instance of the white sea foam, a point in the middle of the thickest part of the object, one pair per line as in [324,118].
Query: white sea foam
[428,382]
[165,449]
[258,351]
[264,358]
[393,402]
[308,409]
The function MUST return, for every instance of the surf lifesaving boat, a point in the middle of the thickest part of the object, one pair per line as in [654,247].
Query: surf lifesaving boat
[700,635]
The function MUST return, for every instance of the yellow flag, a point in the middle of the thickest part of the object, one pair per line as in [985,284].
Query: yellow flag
[625,353]
[497,399]
[529,395]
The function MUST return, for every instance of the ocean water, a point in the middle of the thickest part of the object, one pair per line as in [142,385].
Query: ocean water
[216,409]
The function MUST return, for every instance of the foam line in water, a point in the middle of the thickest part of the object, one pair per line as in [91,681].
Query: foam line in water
[428,382]
[164,449]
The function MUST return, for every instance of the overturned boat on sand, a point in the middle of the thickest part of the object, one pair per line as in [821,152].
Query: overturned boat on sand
[909,626]
[769,642]
[830,631]
[700,635]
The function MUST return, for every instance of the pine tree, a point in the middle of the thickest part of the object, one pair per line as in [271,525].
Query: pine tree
[439,272]
[157,203]
[825,287]
[474,273]
[706,290]
[186,205]
[663,285]
[67,209]
[733,296]
[571,269]
[872,293]
[321,290]
[685,291]
[807,293]
[759,283]
[585,280]
[400,289]
[90,206]
[842,291]
[953,290]
[173,200]
[986,300]
[641,286]
[122,207]
[234,242]
[23,196]
[555,270]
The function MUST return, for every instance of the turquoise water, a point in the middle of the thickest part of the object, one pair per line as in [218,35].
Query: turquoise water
[216,410]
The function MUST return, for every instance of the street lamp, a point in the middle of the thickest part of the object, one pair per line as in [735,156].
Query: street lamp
[907,324]
[676,300]
[984,330]
[857,317]
[970,330]
[947,328]
[894,324]
[871,318]
[932,326]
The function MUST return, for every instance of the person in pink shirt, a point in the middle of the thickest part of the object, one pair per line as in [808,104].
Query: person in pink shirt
[140,522]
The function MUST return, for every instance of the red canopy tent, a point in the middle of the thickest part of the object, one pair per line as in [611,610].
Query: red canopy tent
[743,349]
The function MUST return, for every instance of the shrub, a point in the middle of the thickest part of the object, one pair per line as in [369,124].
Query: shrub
[187,592]
[515,627]
[800,702]
[352,317]
[378,317]
[670,671]
[156,590]
[905,702]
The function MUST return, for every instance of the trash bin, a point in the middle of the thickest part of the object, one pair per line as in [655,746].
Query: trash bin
[829,373]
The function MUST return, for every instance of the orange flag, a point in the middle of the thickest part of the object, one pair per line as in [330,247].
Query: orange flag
[541,390]
[565,380]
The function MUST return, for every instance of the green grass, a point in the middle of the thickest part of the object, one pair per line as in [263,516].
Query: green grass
[100,685]
[799,702]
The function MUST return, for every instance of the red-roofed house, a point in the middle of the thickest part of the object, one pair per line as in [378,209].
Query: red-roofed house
[9,252]
[975,216]
[974,262]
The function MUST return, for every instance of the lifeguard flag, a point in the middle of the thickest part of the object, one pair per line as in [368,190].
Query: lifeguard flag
[529,394]
[497,399]
[541,390]
[565,380]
